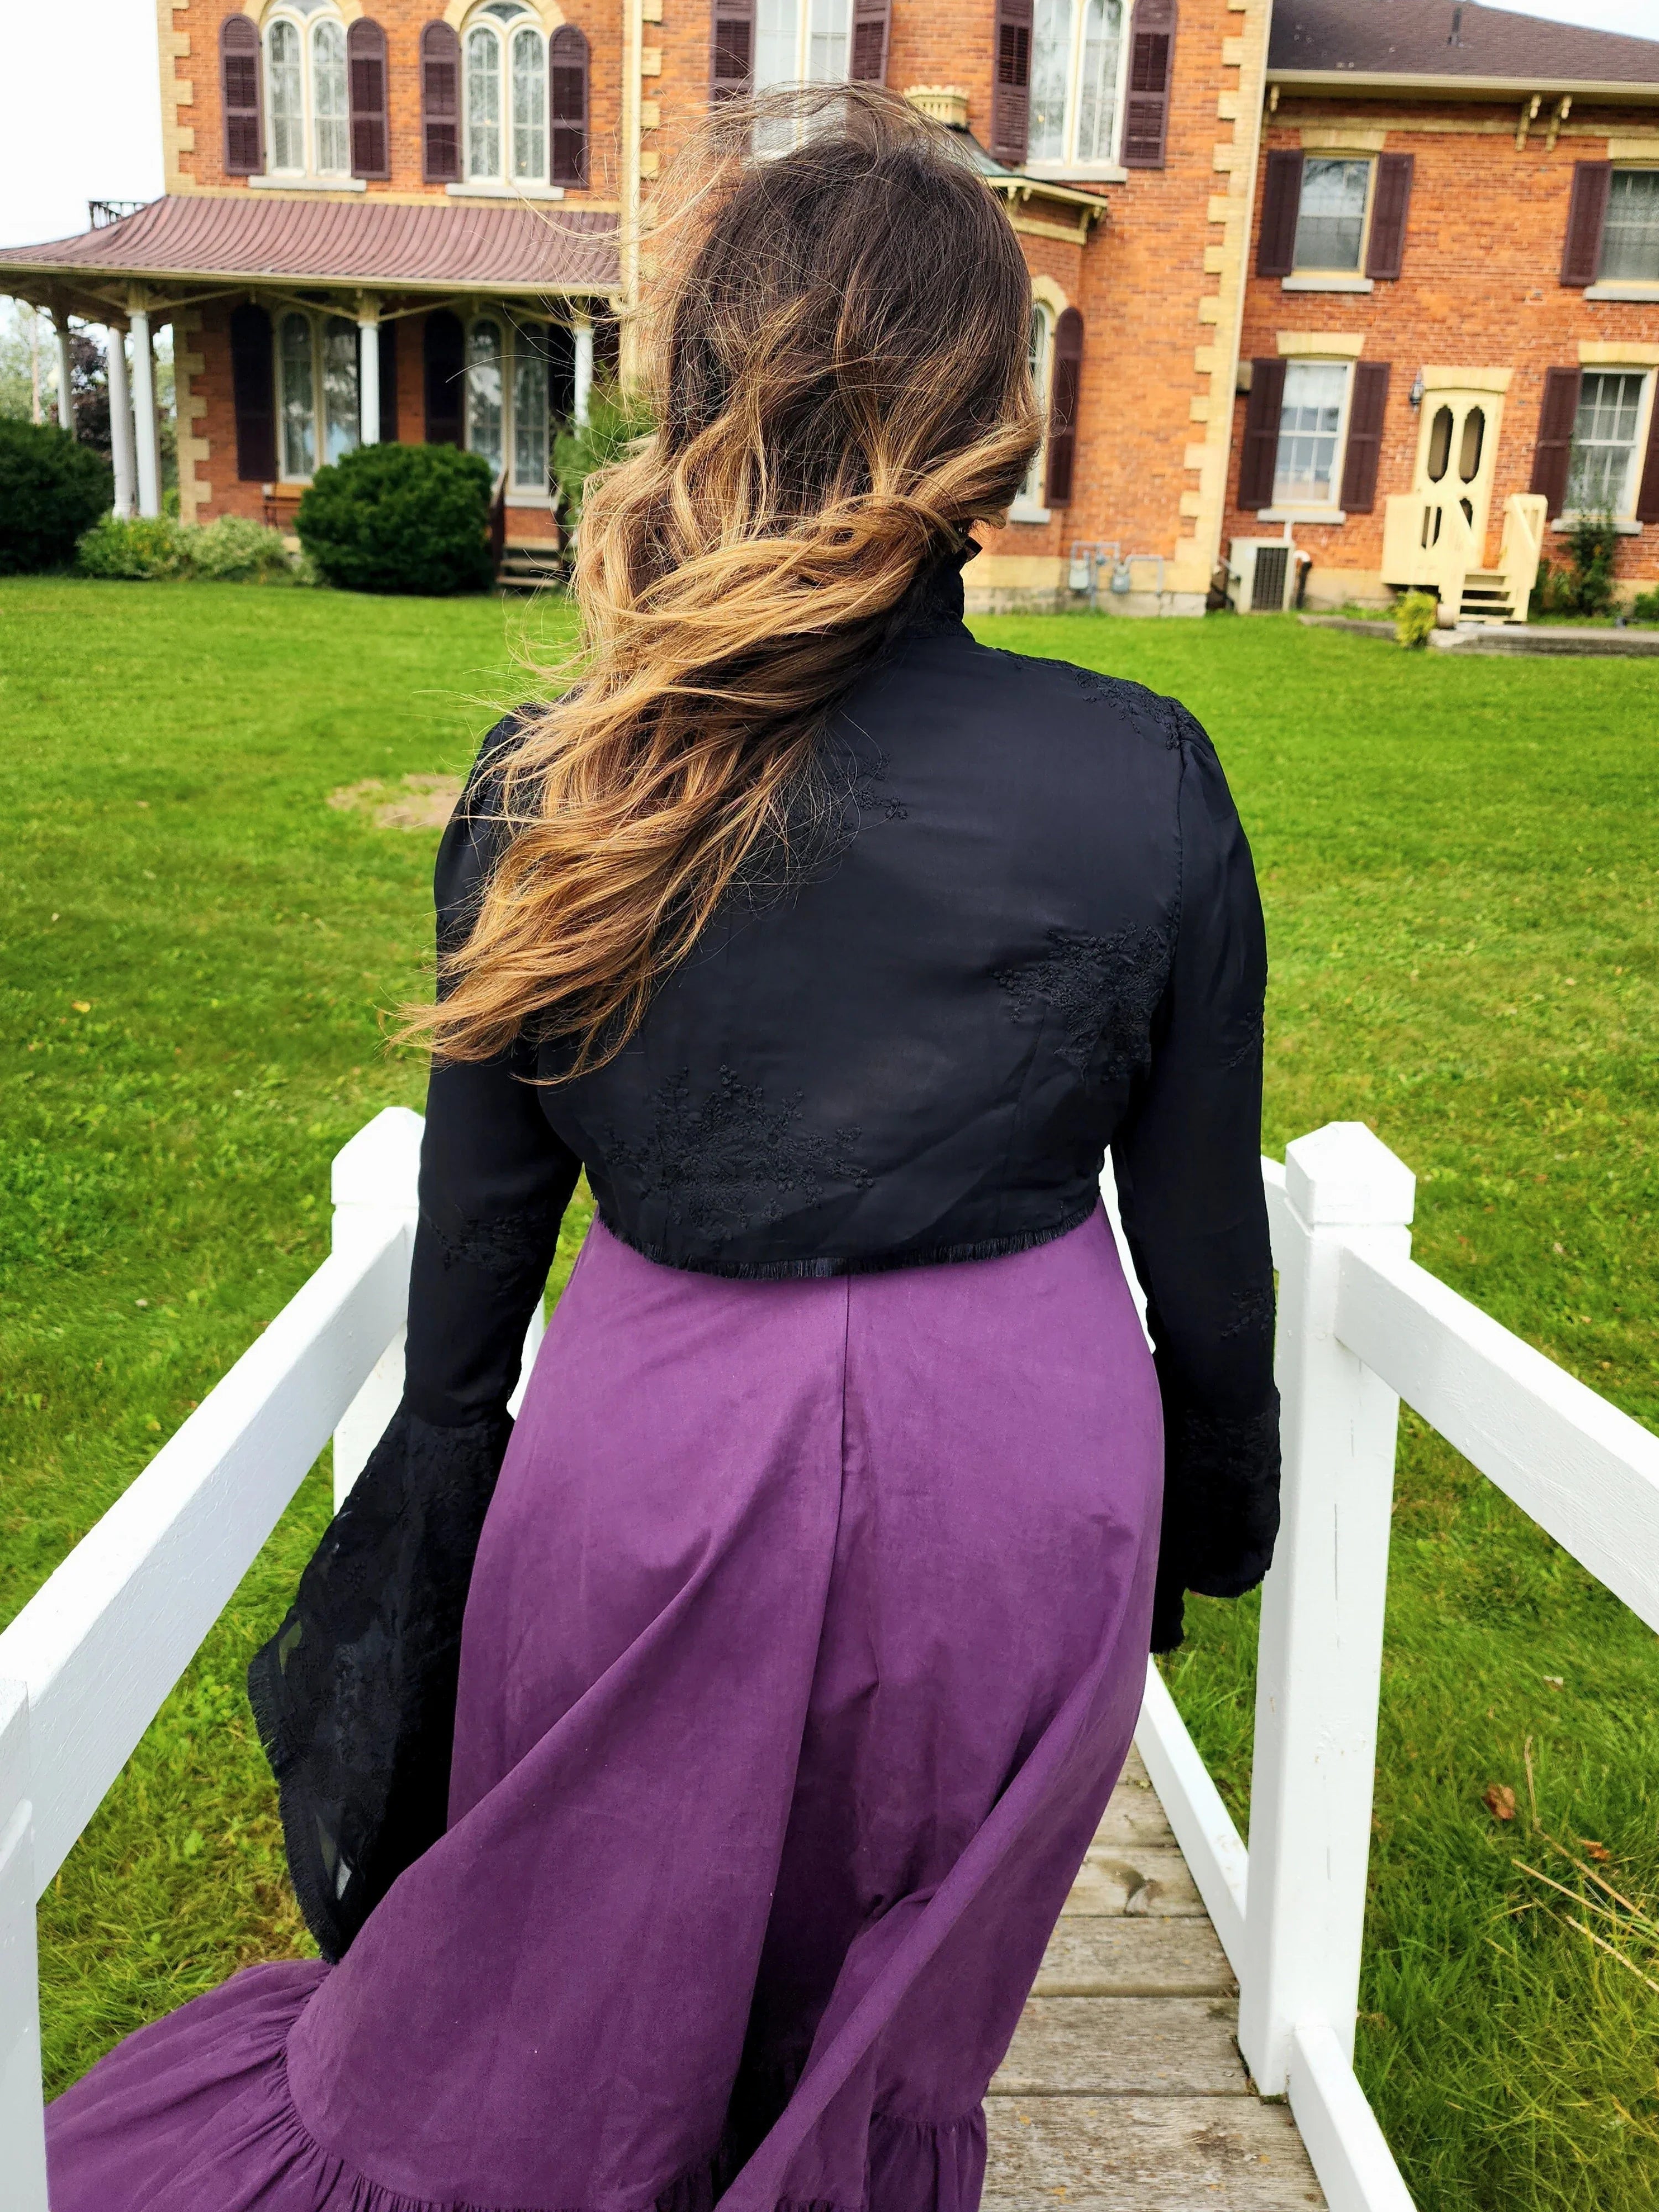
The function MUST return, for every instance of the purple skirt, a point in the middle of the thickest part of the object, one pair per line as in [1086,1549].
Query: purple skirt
[806,1639]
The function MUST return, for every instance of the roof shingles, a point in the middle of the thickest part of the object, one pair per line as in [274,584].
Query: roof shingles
[1414,37]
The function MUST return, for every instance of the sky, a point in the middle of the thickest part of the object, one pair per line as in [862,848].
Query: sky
[96,62]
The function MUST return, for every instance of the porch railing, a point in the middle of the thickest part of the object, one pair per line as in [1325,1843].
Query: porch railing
[1429,545]
[88,1663]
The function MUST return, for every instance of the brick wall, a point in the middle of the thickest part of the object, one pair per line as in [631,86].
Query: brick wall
[1480,287]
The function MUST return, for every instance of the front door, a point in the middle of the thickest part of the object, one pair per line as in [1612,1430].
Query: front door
[1457,450]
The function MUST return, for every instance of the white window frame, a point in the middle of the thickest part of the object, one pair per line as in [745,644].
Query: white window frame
[513,335]
[317,320]
[1320,276]
[1624,514]
[1068,164]
[1640,288]
[500,182]
[1028,503]
[309,176]
[805,11]
[1330,510]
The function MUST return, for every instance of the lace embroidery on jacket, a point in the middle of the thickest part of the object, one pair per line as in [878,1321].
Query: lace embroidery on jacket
[733,1159]
[1253,1309]
[1103,991]
[503,1243]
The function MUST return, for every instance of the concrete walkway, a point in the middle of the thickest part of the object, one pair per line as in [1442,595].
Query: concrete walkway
[1124,2091]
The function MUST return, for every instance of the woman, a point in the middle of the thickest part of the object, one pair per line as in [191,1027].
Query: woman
[808,1621]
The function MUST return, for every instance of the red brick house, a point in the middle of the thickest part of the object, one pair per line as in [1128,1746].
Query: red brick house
[1361,292]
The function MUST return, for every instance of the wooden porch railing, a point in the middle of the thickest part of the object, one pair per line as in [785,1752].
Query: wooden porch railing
[88,1663]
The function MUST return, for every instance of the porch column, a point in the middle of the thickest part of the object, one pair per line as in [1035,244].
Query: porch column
[65,398]
[144,409]
[120,419]
[369,371]
[583,329]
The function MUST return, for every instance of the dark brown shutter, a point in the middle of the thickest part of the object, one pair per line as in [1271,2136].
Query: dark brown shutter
[238,89]
[1390,203]
[1647,499]
[440,105]
[1011,95]
[1151,63]
[1587,210]
[371,139]
[871,20]
[253,383]
[1365,411]
[1553,455]
[567,82]
[1281,205]
[388,384]
[731,58]
[444,347]
[1260,455]
[1062,409]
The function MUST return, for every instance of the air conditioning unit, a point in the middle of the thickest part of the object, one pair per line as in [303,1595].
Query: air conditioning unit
[1265,571]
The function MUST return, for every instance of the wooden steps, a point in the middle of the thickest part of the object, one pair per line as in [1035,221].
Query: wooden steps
[1123,2090]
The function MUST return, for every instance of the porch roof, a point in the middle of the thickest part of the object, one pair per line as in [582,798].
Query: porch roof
[432,246]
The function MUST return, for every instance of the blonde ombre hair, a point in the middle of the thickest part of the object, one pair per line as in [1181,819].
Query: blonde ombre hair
[836,361]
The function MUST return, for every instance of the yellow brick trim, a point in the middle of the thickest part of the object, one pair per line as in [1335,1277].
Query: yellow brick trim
[1467,380]
[1642,148]
[1617,353]
[1341,345]
[1341,138]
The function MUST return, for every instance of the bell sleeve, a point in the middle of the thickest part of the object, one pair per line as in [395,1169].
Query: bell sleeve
[1187,1163]
[355,1695]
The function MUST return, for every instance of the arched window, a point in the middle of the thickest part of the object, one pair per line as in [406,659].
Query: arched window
[529,412]
[1029,503]
[297,385]
[285,73]
[1077,56]
[529,105]
[316,390]
[330,107]
[485,413]
[483,103]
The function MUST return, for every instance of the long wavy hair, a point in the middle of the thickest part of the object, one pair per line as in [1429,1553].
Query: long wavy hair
[836,361]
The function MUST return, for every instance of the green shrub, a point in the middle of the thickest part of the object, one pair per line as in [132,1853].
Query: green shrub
[1415,618]
[1583,584]
[1645,607]
[236,549]
[615,419]
[142,548]
[50,489]
[400,519]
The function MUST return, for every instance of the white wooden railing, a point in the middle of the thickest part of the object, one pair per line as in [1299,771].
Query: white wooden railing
[1428,544]
[88,1663]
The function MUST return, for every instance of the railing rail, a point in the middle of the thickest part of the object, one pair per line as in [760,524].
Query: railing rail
[88,1663]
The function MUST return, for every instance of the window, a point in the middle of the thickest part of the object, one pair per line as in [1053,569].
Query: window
[1310,433]
[1028,503]
[309,98]
[506,105]
[529,398]
[1330,228]
[801,41]
[1630,235]
[485,413]
[1602,470]
[1076,51]
[317,389]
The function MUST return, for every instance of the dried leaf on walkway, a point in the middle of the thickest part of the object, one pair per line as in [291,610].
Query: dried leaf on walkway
[1499,1801]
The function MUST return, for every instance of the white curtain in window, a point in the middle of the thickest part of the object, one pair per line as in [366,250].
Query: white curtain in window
[330,108]
[483,103]
[1097,101]
[483,391]
[777,40]
[1332,221]
[1310,426]
[1630,242]
[827,36]
[528,412]
[529,106]
[1051,65]
[340,417]
[287,107]
[1031,491]
[297,386]
[1599,480]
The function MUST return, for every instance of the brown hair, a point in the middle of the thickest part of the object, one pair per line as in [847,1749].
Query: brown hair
[837,365]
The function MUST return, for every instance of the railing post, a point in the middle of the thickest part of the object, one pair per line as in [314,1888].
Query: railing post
[1321,1649]
[22,2120]
[374,1187]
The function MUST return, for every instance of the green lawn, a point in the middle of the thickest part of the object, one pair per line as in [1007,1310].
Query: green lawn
[1459,864]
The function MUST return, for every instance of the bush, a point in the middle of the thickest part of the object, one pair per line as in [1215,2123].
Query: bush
[1583,584]
[50,489]
[401,519]
[1645,607]
[615,420]
[142,548]
[236,549]
[1415,619]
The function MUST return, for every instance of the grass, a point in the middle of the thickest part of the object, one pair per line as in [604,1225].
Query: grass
[1460,874]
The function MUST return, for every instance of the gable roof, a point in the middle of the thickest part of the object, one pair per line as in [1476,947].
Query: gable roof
[433,247]
[1449,40]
